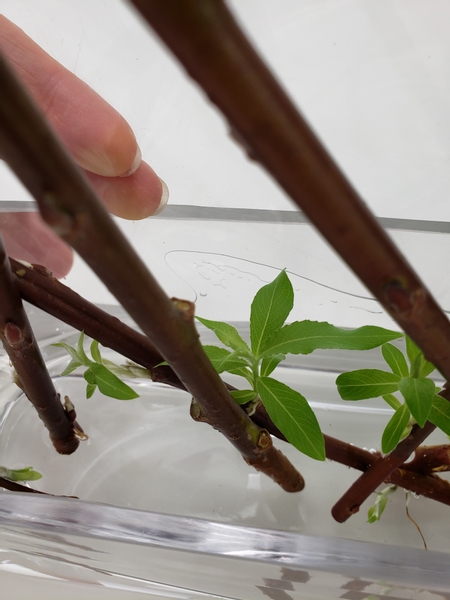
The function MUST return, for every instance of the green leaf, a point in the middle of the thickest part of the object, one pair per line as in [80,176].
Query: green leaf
[420,366]
[243,396]
[224,360]
[426,368]
[374,513]
[392,401]
[395,359]
[418,393]
[81,353]
[440,414]
[216,355]
[303,337]
[269,364]
[110,385]
[91,383]
[95,351]
[412,351]
[25,474]
[366,383]
[395,429]
[234,362]
[90,389]
[226,333]
[72,351]
[74,364]
[89,375]
[270,309]
[291,413]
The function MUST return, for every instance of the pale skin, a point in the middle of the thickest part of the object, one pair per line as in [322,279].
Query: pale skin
[99,139]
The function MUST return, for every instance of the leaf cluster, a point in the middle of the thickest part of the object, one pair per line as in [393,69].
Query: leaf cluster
[408,377]
[270,342]
[99,372]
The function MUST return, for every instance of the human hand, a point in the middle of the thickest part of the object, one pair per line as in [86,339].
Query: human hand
[99,139]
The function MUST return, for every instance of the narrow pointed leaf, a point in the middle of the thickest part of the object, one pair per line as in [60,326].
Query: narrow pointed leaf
[420,367]
[374,513]
[395,429]
[418,393]
[426,368]
[440,414]
[392,400]
[81,353]
[291,413]
[226,333]
[303,337]
[270,309]
[411,350]
[74,364]
[95,351]
[270,363]
[395,359]
[366,383]
[72,351]
[243,396]
[110,385]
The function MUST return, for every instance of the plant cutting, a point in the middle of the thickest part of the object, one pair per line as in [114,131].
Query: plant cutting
[71,208]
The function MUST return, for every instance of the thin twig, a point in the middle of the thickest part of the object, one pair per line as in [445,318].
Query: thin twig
[71,208]
[423,483]
[31,374]
[368,482]
[12,486]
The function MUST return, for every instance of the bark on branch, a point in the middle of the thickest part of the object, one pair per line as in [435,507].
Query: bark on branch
[31,374]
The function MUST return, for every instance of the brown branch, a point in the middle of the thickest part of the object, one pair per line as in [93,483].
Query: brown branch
[31,374]
[380,471]
[209,43]
[430,459]
[38,287]
[71,208]
[12,486]
[423,483]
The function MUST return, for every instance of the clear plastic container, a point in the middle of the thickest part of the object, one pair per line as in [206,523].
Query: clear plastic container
[167,508]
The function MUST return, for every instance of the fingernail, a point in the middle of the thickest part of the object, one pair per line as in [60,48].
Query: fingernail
[135,165]
[164,198]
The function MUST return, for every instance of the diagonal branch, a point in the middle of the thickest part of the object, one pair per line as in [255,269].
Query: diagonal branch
[71,208]
[31,374]
[215,52]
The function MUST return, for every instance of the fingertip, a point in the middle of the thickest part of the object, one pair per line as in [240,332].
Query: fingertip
[26,237]
[135,197]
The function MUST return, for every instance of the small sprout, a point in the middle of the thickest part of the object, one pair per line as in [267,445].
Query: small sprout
[374,513]
[25,474]
[270,341]
[99,372]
